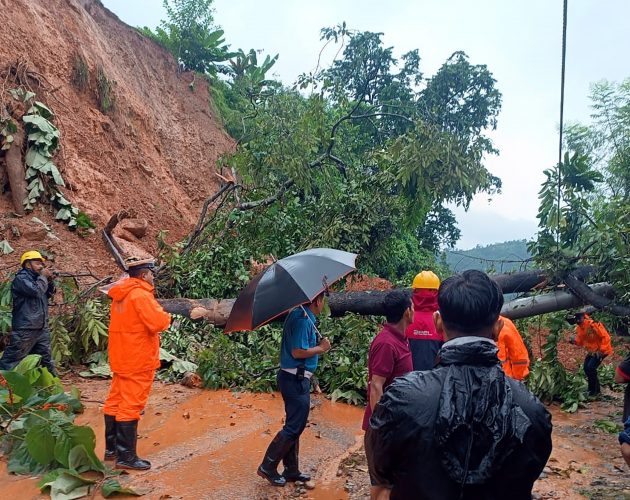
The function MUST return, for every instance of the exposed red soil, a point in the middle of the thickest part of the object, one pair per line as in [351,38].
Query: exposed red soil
[361,282]
[155,153]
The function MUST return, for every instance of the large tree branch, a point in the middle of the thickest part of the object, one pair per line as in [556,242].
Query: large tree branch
[584,292]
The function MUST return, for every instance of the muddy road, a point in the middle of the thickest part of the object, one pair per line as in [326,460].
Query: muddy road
[207,444]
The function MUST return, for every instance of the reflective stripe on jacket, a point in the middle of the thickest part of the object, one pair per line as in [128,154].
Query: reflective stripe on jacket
[135,324]
[512,351]
[593,336]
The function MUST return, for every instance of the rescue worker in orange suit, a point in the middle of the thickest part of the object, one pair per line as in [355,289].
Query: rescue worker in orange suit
[134,354]
[593,336]
[512,351]
[424,339]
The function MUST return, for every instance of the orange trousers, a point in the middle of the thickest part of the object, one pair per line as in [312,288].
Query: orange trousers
[128,395]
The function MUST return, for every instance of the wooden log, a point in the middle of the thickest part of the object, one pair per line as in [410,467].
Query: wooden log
[534,279]
[212,310]
[15,170]
[550,302]
[596,299]
[371,304]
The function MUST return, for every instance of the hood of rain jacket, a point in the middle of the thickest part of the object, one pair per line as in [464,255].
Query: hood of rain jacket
[424,305]
[461,430]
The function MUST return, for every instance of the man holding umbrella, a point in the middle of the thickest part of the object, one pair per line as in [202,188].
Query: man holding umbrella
[297,283]
[298,360]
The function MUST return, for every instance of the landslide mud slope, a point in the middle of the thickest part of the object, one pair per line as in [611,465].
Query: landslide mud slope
[154,153]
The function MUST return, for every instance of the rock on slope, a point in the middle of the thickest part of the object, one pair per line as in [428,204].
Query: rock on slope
[155,153]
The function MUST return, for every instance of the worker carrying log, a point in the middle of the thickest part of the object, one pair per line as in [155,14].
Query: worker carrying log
[424,339]
[512,351]
[136,320]
[594,337]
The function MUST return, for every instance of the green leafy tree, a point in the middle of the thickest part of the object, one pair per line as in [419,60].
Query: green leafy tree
[357,163]
[190,35]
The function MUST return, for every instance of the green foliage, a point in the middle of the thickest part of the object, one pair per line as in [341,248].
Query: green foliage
[366,172]
[250,360]
[593,223]
[5,306]
[549,379]
[105,91]
[79,328]
[42,175]
[364,162]
[38,433]
[7,130]
[608,426]
[190,35]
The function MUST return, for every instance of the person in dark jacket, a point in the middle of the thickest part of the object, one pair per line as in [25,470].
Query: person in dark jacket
[31,288]
[463,429]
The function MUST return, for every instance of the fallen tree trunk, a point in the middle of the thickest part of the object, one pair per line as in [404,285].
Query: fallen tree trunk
[586,293]
[551,302]
[534,279]
[371,304]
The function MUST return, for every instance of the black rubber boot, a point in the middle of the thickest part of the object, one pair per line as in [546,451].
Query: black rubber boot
[110,437]
[268,469]
[126,440]
[291,465]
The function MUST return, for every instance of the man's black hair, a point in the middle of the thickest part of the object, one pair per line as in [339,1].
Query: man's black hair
[469,302]
[137,271]
[395,303]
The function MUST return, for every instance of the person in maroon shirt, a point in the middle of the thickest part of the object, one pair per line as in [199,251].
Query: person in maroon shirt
[389,356]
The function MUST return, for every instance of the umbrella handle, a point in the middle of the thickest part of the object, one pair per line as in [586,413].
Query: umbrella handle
[318,335]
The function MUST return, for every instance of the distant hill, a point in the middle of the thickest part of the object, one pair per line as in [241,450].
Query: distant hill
[490,257]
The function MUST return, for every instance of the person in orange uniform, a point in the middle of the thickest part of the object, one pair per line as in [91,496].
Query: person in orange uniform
[136,320]
[512,351]
[594,337]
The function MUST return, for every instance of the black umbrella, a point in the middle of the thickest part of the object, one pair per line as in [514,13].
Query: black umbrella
[288,283]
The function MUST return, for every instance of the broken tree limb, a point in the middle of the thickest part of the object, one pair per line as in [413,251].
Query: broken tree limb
[212,310]
[551,302]
[110,241]
[589,296]
[534,279]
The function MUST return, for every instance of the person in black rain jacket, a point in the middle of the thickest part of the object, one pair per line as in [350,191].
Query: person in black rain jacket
[31,288]
[464,429]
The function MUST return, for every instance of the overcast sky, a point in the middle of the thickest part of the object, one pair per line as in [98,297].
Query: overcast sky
[520,42]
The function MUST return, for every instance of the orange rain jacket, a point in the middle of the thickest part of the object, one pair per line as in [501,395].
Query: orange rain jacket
[593,336]
[512,351]
[134,326]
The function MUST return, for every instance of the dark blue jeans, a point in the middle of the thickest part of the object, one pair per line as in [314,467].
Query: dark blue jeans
[297,403]
[25,342]
[591,363]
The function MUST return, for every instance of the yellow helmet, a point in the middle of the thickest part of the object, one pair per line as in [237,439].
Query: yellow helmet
[426,279]
[31,255]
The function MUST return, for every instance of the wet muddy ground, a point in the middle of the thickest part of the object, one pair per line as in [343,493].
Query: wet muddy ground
[207,444]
